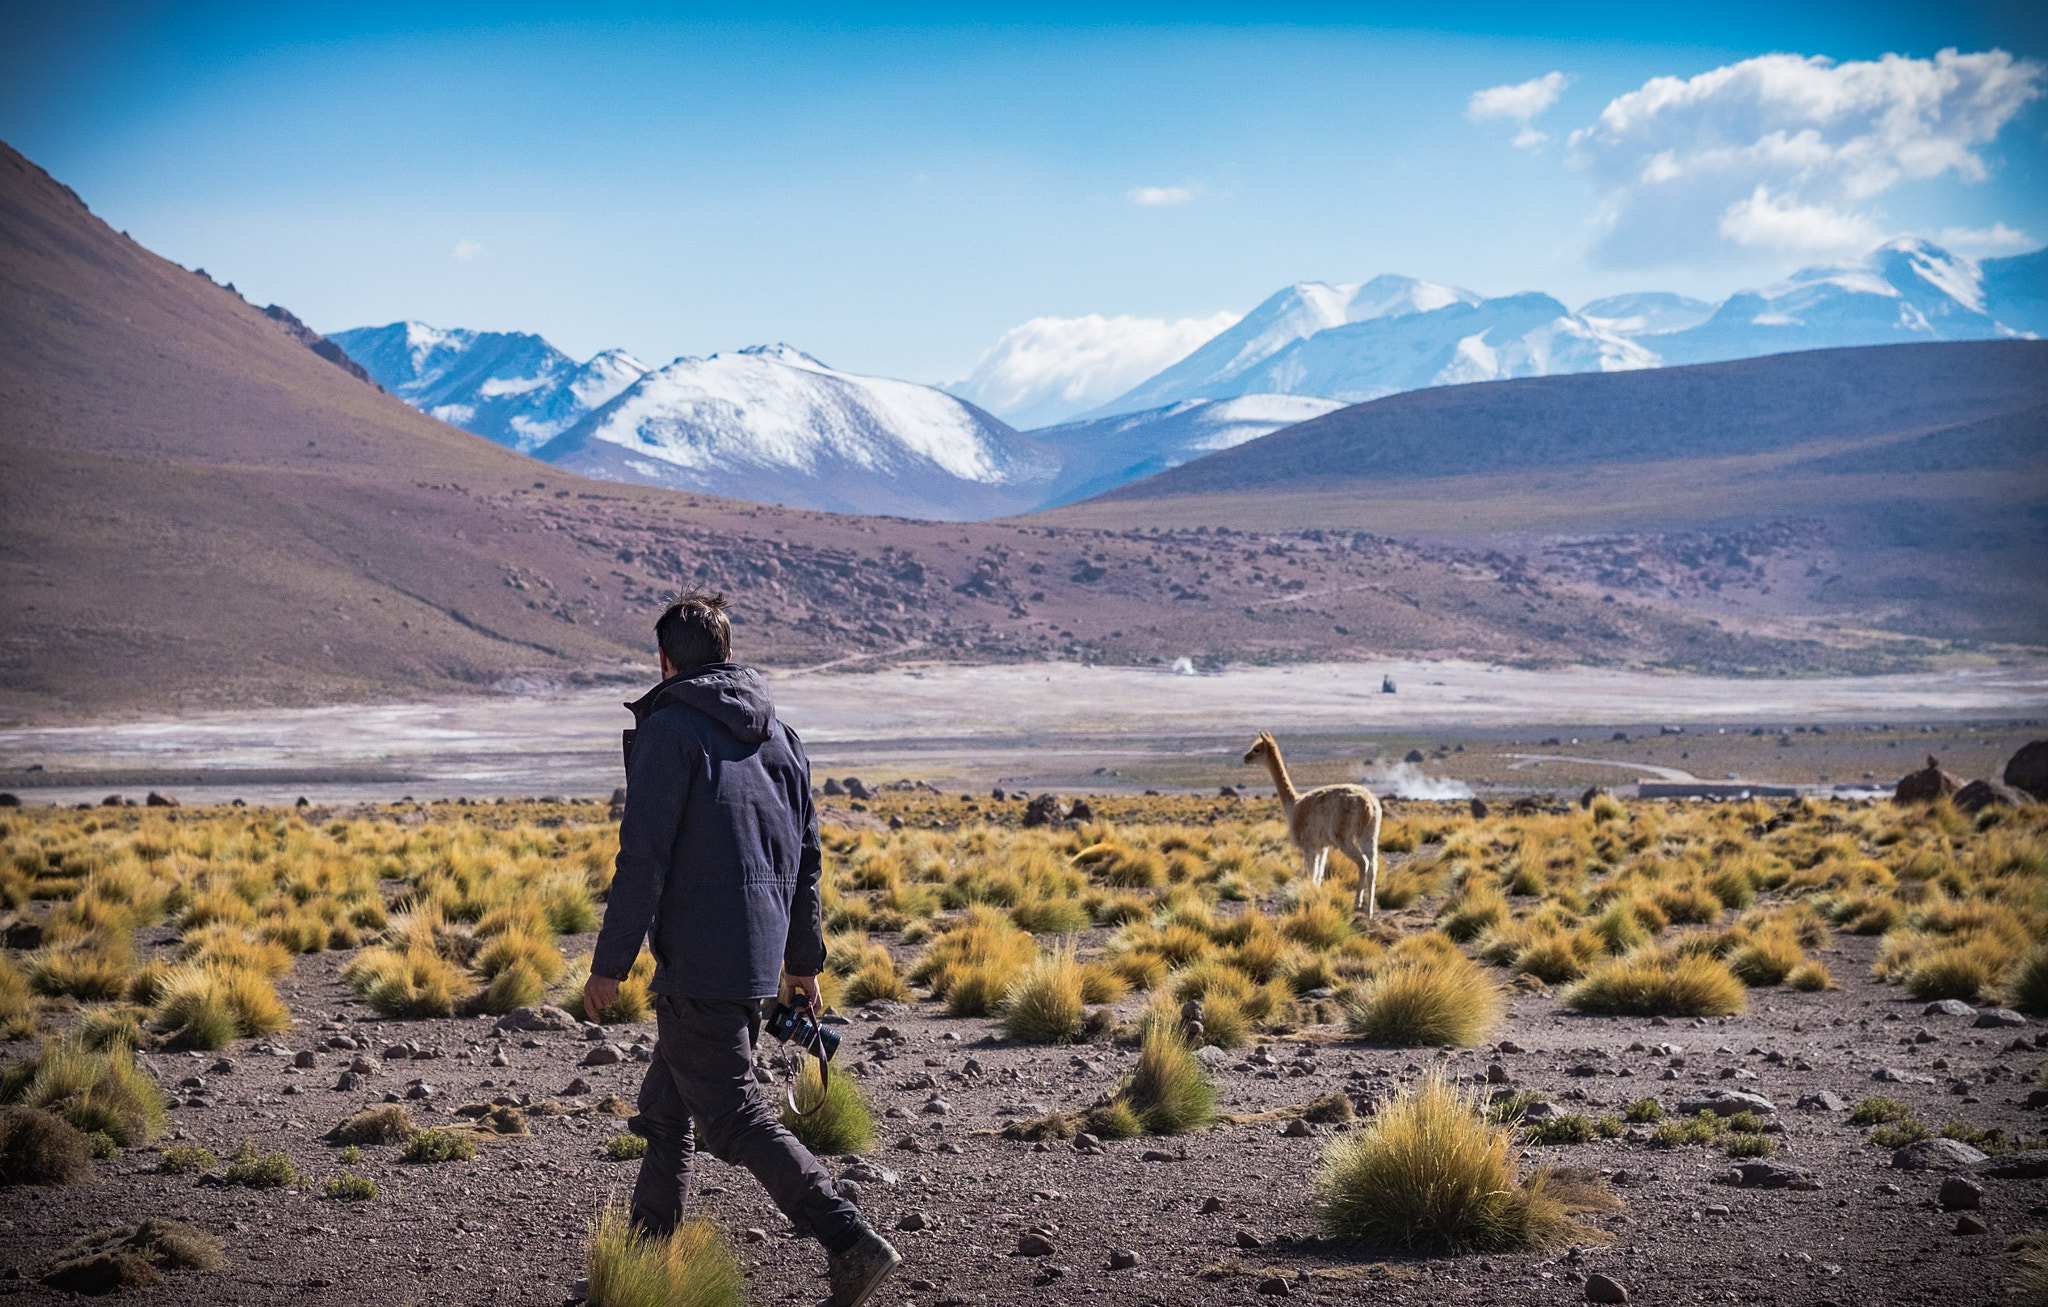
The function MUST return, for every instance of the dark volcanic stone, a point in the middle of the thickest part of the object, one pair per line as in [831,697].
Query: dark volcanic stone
[2028,769]
[1599,1288]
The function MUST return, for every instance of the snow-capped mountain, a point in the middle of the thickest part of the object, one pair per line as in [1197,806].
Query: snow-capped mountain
[1292,315]
[775,425]
[1646,313]
[506,386]
[1905,290]
[1100,454]
[1359,342]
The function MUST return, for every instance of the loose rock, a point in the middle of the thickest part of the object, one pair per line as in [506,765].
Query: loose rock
[1031,1244]
[1935,1155]
[1124,1259]
[1600,1288]
[1958,1194]
[1995,1017]
[604,1055]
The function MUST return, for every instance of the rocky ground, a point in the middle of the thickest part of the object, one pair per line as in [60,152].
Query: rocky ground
[1213,1217]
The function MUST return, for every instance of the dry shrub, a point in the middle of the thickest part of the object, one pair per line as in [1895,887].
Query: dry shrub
[625,1148]
[1429,1173]
[1475,909]
[878,979]
[1431,1001]
[405,982]
[129,1256]
[689,1267]
[1169,1093]
[1558,956]
[1102,982]
[514,948]
[1766,959]
[110,1025]
[389,1124]
[39,1148]
[1810,977]
[207,1006]
[1967,970]
[1317,923]
[845,1124]
[94,1091]
[974,963]
[1140,969]
[1620,928]
[2026,986]
[93,968]
[1044,1005]
[1051,916]
[435,1145]
[1658,982]
[517,986]
[273,1170]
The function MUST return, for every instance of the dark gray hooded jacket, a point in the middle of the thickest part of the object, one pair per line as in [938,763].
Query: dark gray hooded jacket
[718,852]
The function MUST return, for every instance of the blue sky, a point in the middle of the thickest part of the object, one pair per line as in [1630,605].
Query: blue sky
[892,189]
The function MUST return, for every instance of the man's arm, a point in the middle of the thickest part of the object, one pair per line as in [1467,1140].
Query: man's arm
[657,788]
[804,953]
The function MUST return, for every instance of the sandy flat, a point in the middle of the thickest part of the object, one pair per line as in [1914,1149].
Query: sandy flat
[969,724]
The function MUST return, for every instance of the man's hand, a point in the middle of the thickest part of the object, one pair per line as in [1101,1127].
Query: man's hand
[805,985]
[599,993]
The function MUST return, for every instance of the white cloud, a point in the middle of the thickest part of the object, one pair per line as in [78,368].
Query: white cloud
[1984,242]
[465,250]
[1151,196]
[1050,369]
[1781,223]
[1783,154]
[1521,102]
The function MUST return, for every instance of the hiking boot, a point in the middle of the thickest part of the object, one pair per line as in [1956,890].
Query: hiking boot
[859,1271]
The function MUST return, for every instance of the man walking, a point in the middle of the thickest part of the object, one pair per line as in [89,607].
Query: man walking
[719,859]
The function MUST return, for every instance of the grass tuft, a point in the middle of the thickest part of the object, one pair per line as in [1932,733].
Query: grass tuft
[186,1159]
[262,1170]
[1044,1006]
[690,1267]
[389,1124]
[1428,1172]
[37,1147]
[1652,982]
[845,1124]
[1169,1093]
[350,1187]
[1446,1001]
[625,1147]
[432,1146]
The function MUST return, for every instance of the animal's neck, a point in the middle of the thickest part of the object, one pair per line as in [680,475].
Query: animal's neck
[1280,781]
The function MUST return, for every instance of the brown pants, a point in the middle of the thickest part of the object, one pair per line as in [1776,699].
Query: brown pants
[700,1092]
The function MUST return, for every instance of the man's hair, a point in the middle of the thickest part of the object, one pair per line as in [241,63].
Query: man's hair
[693,630]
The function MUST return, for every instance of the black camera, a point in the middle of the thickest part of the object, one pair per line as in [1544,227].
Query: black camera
[801,1025]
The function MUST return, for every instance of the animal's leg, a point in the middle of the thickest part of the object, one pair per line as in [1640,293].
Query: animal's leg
[1368,880]
[1369,871]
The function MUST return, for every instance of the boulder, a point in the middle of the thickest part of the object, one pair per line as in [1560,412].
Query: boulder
[1935,1155]
[1044,810]
[2027,770]
[1948,1007]
[1727,1102]
[1958,1194]
[1479,811]
[156,800]
[1600,1288]
[1824,1101]
[542,1016]
[1927,785]
[1978,795]
[1768,1175]
[1993,1018]
[2030,1165]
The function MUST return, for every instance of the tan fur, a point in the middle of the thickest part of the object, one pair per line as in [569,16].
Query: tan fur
[1345,817]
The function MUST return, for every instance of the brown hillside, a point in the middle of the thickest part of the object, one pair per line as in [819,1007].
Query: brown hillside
[200,511]
[1919,474]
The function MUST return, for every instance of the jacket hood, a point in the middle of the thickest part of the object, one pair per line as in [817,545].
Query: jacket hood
[733,696]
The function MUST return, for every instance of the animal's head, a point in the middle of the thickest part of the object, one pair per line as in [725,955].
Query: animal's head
[1262,749]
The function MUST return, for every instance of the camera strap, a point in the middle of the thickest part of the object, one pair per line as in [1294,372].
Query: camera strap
[792,1061]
